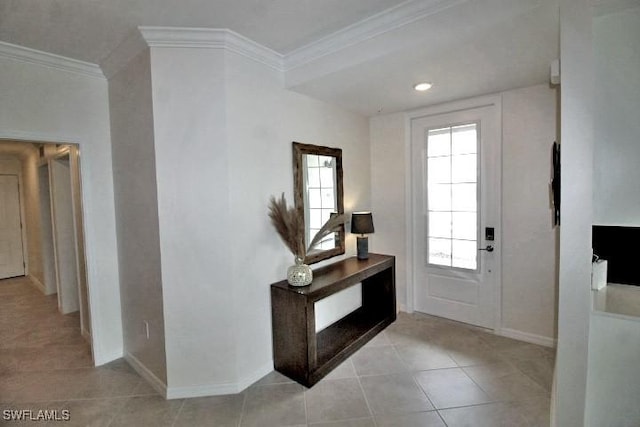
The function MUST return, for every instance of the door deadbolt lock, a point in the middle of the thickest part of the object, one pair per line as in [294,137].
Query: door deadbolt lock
[489,248]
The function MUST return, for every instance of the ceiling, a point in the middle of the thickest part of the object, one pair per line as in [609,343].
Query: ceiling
[363,55]
[465,51]
[89,30]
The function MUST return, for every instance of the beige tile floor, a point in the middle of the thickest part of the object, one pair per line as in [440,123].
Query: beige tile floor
[420,371]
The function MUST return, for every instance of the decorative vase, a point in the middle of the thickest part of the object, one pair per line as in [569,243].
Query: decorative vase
[299,274]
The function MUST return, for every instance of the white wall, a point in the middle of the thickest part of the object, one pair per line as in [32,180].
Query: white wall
[616,45]
[576,134]
[529,129]
[64,236]
[389,195]
[192,173]
[46,231]
[137,215]
[55,105]
[262,121]
[529,239]
[614,378]
[613,382]
[219,147]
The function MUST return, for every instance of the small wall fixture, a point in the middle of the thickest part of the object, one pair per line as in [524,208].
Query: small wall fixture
[422,86]
[362,223]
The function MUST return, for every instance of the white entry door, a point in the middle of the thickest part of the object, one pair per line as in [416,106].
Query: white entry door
[456,169]
[11,256]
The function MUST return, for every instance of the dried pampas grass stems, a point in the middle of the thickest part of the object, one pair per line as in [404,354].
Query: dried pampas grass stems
[288,224]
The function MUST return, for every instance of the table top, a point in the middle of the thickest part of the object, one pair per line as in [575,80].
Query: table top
[339,275]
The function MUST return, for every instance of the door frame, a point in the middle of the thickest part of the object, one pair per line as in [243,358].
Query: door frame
[71,152]
[445,108]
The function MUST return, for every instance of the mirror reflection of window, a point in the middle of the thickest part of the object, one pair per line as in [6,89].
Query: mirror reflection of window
[320,197]
[318,194]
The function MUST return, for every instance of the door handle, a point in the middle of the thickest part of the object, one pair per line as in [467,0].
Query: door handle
[489,248]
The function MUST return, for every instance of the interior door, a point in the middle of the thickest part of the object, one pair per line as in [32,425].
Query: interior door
[11,255]
[456,214]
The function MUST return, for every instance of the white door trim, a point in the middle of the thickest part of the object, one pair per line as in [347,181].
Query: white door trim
[450,107]
[72,153]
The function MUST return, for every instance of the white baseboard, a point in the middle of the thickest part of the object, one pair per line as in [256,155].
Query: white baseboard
[199,390]
[101,358]
[254,376]
[155,382]
[526,337]
[37,284]
[220,388]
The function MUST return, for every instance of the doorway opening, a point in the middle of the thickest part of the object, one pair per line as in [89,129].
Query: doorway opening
[41,185]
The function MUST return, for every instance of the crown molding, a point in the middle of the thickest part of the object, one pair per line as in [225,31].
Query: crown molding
[187,37]
[375,25]
[178,37]
[50,60]
[212,38]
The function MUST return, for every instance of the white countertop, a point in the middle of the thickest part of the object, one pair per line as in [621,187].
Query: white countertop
[618,299]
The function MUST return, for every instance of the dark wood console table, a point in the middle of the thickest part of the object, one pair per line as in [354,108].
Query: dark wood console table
[306,356]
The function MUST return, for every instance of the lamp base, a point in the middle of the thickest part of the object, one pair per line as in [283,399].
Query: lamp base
[363,247]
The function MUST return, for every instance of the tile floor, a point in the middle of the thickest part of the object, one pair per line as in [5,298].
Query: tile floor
[420,371]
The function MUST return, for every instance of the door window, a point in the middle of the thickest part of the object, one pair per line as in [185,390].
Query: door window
[452,196]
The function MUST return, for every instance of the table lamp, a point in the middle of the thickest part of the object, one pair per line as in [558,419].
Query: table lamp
[362,223]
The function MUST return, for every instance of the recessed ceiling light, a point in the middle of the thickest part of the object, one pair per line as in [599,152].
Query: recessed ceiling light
[421,87]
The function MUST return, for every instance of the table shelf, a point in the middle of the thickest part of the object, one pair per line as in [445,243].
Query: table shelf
[307,356]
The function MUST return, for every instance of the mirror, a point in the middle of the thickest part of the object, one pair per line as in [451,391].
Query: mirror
[318,193]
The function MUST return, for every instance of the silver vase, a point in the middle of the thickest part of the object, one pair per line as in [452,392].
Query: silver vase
[299,274]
